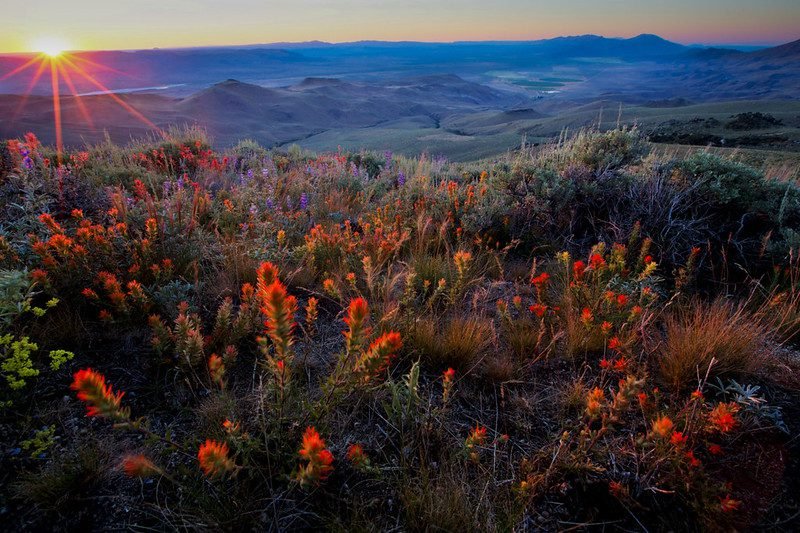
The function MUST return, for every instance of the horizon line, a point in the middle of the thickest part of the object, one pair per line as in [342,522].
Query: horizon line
[763,44]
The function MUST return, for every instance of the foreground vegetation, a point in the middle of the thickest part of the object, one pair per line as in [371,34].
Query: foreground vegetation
[584,335]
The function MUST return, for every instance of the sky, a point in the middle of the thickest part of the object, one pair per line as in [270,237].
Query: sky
[32,25]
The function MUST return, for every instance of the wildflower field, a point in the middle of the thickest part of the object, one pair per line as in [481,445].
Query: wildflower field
[577,336]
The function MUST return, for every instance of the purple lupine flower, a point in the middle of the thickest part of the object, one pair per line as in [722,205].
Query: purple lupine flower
[288,204]
[265,172]
[303,202]
[388,156]
[250,174]
[401,179]
[253,209]
[270,204]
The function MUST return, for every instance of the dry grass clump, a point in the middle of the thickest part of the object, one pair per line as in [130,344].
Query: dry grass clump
[457,342]
[700,332]
[444,502]
[523,337]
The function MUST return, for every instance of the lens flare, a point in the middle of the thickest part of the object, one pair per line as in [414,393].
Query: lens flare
[66,67]
[50,46]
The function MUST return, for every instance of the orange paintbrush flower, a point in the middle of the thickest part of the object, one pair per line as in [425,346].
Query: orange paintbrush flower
[356,455]
[319,458]
[216,369]
[594,402]
[597,262]
[475,439]
[540,280]
[101,400]
[266,274]
[312,312]
[279,308]
[662,427]
[356,320]
[378,356]
[538,309]
[213,458]
[448,377]
[722,417]
[50,222]
[139,466]
[728,504]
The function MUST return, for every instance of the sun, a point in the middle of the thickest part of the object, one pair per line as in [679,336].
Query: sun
[50,46]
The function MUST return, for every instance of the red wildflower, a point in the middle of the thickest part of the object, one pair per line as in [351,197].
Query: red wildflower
[540,280]
[578,268]
[39,276]
[586,316]
[662,427]
[378,356]
[319,458]
[447,383]
[216,369]
[538,309]
[606,327]
[50,222]
[213,458]
[476,438]
[101,400]
[266,274]
[231,427]
[621,364]
[622,299]
[728,504]
[139,466]
[616,489]
[694,462]
[356,319]
[356,455]
[642,396]
[311,313]
[605,363]
[678,438]
[594,402]
[715,449]
[279,308]
[597,262]
[722,418]
[614,343]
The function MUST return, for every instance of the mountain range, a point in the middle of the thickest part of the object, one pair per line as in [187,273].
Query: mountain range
[323,94]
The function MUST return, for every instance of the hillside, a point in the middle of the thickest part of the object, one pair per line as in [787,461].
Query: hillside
[596,331]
